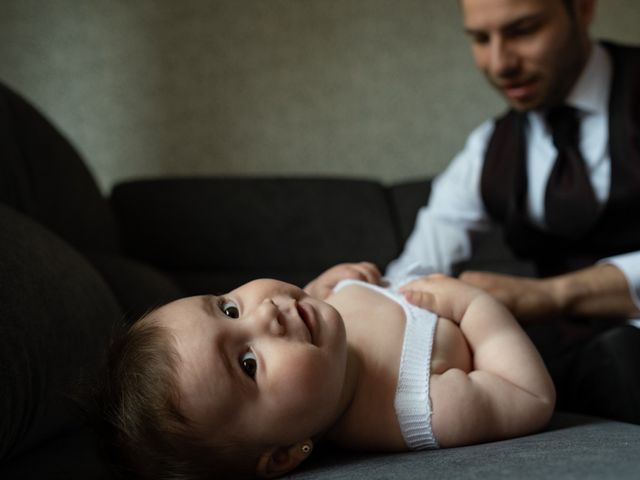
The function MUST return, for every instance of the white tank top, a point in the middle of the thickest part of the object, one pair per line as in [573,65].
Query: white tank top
[412,402]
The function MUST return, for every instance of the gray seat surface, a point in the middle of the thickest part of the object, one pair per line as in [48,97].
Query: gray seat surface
[572,447]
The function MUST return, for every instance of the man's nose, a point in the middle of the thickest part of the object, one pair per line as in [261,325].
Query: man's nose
[503,60]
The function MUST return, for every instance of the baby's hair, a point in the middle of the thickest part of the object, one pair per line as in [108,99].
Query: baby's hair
[143,428]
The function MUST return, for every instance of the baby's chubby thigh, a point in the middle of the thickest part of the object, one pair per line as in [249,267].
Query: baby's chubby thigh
[450,348]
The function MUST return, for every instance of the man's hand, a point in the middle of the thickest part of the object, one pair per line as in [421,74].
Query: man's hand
[445,296]
[324,284]
[599,291]
[530,300]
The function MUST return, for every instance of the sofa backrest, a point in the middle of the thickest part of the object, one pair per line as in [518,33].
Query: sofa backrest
[212,234]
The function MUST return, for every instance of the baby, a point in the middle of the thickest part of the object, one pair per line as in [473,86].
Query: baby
[245,384]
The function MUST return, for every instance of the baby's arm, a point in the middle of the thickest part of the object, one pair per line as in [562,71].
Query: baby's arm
[508,392]
[322,286]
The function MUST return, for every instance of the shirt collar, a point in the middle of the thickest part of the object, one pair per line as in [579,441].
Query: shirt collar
[591,91]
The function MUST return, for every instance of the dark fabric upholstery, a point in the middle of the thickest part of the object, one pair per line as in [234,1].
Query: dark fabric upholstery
[72,455]
[573,447]
[406,198]
[303,224]
[43,176]
[219,282]
[56,314]
[602,366]
[137,286]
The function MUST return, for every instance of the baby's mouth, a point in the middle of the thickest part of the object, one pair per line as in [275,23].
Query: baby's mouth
[307,315]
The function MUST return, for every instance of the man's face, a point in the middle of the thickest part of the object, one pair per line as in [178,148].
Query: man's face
[532,51]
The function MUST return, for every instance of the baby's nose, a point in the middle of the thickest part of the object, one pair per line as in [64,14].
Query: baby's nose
[269,318]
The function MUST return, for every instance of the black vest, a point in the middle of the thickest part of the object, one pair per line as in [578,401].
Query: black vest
[617,230]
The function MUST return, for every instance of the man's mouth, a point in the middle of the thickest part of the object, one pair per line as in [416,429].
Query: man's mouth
[520,90]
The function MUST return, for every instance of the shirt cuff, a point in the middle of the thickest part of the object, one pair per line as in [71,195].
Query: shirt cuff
[629,265]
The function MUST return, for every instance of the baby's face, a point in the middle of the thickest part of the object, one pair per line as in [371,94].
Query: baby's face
[264,364]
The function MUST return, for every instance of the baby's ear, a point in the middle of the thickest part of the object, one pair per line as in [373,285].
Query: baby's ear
[278,461]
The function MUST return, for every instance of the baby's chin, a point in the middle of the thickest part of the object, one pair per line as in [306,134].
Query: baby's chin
[334,322]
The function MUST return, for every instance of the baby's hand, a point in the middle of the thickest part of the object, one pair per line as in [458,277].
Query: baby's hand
[324,284]
[443,295]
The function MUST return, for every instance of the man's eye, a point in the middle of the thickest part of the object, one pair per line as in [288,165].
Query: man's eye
[479,38]
[521,32]
[228,308]
[249,364]
[523,29]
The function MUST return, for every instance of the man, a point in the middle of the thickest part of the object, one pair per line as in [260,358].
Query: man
[566,193]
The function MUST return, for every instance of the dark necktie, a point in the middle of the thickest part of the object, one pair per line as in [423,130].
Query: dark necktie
[571,207]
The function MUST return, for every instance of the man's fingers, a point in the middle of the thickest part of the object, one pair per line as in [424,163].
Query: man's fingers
[368,272]
[424,283]
[421,299]
[478,279]
[365,271]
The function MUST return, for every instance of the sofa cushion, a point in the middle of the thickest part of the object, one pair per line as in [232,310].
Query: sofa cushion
[138,287]
[198,282]
[73,455]
[572,447]
[254,226]
[43,176]
[56,315]
[406,199]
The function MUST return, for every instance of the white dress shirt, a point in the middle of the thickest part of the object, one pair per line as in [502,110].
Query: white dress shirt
[441,236]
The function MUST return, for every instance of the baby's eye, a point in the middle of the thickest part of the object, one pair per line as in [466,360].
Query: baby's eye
[249,364]
[228,308]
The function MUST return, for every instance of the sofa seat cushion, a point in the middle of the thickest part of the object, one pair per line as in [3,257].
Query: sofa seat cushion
[572,447]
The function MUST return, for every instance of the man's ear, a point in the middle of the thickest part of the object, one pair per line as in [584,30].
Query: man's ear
[277,461]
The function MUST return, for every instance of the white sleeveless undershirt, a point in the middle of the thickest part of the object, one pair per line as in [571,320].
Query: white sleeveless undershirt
[412,402]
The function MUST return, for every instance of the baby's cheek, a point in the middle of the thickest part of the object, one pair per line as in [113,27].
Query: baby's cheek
[313,385]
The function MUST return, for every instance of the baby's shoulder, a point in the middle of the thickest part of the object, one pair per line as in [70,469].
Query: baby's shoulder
[368,305]
[364,294]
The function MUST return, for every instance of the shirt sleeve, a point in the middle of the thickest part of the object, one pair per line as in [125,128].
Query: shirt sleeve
[441,235]
[629,264]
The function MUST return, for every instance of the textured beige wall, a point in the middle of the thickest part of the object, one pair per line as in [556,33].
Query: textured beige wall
[376,88]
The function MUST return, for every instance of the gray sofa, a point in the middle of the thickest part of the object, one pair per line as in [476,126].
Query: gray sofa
[73,264]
